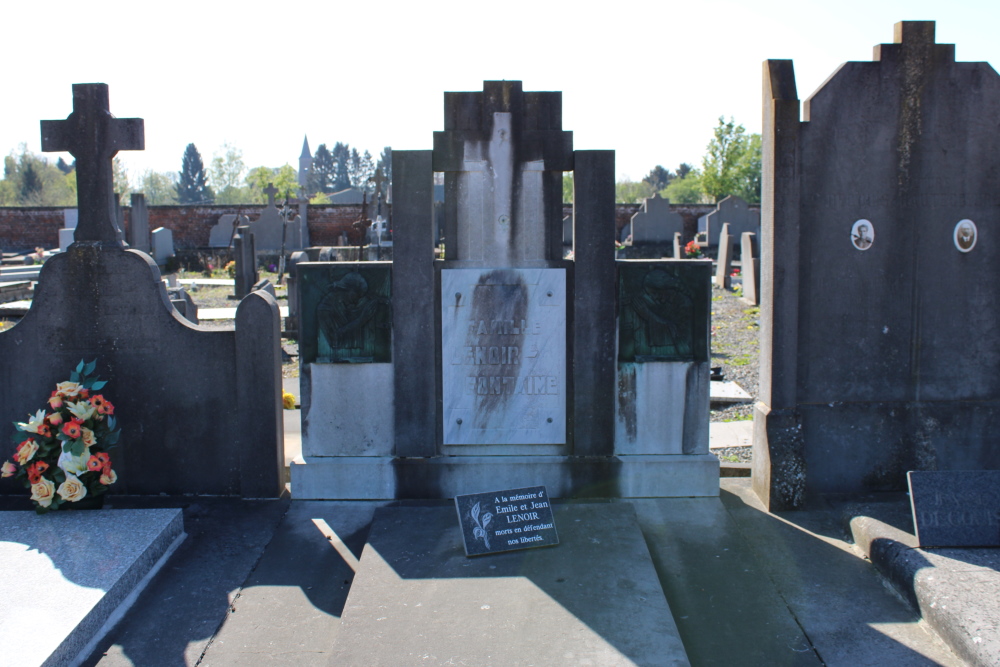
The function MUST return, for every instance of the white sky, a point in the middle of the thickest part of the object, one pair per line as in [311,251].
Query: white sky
[648,79]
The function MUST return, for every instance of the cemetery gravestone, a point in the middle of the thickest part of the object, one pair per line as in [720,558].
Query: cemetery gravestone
[956,508]
[879,357]
[733,211]
[245,256]
[678,246]
[200,410]
[724,261]
[480,389]
[163,245]
[271,229]
[70,217]
[749,269]
[656,222]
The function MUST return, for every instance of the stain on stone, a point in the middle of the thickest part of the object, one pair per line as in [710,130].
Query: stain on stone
[626,399]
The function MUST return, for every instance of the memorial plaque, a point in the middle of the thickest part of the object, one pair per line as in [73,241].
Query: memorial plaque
[345,312]
[503,356]
[506,520]
[956,508]
[663,311]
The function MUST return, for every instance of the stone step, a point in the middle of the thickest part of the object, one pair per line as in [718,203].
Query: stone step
[594,599]
[73,574]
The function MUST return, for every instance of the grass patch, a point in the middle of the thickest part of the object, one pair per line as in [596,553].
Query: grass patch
[742,360]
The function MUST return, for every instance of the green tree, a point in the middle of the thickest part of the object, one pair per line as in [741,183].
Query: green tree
[323,172]
[192,186]
[683,169]
[226,175]
[729,165]
[384,165]
[362,168]
[285,179]
[567,187]
[121,183]
[342,160]
[29,180]
[630,192]
[686,190]
[159,187]
[658,178]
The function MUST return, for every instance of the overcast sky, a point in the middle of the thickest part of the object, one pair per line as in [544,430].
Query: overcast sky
[647,79]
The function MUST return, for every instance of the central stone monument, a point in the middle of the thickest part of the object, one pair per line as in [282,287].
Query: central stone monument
[503,370]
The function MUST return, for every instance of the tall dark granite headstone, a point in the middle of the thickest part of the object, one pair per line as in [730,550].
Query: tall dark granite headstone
[880,352]
[138,227]
[200,410]
[245,254]
[750,269]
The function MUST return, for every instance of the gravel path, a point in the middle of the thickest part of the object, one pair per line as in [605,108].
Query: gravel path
[735,348]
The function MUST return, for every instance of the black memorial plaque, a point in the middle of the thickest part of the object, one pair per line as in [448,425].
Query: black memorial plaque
[506,520]
[956,508]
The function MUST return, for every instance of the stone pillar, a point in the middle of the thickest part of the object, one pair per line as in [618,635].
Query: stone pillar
[778,457]
[245,255]
[724,264]
[414,342]
[594,297]
[678,246]
[750,269]
[138,226]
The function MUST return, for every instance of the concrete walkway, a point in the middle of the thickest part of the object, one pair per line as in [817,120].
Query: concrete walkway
[265,583]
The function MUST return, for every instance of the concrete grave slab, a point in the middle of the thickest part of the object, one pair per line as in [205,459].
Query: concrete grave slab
[416,598]
[75,574]
[724,391]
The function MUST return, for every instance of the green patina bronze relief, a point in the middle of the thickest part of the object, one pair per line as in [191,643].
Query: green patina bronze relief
[663,310]
[345,312]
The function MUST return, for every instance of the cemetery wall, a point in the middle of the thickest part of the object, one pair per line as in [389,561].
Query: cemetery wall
[29,228]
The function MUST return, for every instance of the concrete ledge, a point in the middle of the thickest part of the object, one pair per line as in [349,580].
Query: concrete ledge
[73,574]
[957,591]
[385,478]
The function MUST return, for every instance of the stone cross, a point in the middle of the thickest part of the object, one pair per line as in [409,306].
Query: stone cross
[270,191]
[93,136]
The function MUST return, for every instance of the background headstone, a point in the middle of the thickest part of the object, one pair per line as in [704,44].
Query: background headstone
[245,256]
[162,245]
[733,211]
[656,222]
[138,227]
[724,261]
[749,269]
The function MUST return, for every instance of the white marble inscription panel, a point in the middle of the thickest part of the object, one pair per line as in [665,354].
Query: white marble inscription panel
[503,356]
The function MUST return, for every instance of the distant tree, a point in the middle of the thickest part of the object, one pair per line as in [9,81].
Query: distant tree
[630,192]
[732,163]
[683,169]
[226,176]
[362,168]
[63,167]
[159,187]
[29,180]
[384,165]
[567,187]
[658,178]
[285,179]
[685,190]
[121,183]
[323,172]
[342,160]
[192,186]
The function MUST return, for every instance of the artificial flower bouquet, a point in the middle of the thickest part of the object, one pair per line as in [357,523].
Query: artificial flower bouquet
[692,250]
[61,454]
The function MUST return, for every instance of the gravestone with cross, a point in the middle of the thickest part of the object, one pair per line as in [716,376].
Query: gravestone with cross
[268,229]
[200,410]
[93,136]
[503,369]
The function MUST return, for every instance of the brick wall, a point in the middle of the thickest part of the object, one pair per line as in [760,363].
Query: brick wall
[27,228]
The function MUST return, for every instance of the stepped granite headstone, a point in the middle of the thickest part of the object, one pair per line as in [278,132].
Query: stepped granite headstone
[656,222]
[734,211]
[245,256]
[879,354]
[481,389]
[217,424]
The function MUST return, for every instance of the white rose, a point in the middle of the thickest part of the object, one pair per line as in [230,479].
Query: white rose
[72,489]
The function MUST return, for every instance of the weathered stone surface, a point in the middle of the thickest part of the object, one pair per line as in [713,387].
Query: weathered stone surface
[347,410]
[417,598]
[750,269]
[662,408]
[874,333]
[245,256]
[503,356]
[956,508]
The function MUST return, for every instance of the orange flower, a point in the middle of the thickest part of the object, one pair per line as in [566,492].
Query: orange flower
[35,471]
[45,431]
[94,464]
[84,393]
[72,429]
[97,401]
[55,400]
[25,451]
[8,469]
[104,458]
[55,419]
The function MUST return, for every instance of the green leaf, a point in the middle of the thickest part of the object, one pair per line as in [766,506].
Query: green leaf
[111,423]
[78,447]
[87,384]
[67,445]
[113,437]
[98,385]
[90,367]
[74,376]
[79,367]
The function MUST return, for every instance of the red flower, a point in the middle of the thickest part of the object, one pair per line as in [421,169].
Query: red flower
[104,458]
[72,429]
[35,471]
[55,400]
[84,393]
[94,464]
[44,431]
[102,405]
